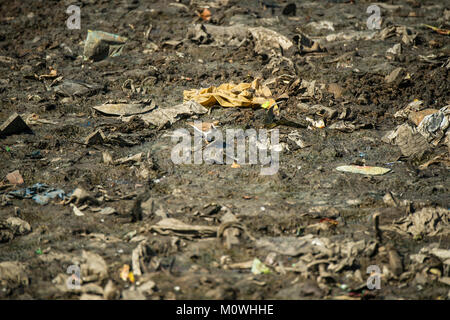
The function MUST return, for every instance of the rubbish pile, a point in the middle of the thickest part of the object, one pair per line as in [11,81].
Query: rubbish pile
[427,131]
[243,150]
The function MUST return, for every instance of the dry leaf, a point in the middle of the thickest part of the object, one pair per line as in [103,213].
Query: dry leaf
[14,177]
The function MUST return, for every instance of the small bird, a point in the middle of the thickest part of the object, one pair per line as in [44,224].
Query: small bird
[207,129]
[209,132]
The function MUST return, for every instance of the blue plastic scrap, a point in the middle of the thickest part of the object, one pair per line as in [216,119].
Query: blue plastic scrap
[39,192]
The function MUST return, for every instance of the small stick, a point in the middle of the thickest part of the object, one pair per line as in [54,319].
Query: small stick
[376,221]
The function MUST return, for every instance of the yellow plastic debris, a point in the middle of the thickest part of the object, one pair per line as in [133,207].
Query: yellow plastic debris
[232,95]
[235,165]
[131,277]
[259,268]
[266,105]
[126,274]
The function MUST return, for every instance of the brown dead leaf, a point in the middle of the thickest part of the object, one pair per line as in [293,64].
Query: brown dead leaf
[53,74]
[427,222]
[335,89]
[442,158]
[418,116]
[14,177]
[170,226]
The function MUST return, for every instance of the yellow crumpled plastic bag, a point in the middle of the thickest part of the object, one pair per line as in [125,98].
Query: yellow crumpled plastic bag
[232,95]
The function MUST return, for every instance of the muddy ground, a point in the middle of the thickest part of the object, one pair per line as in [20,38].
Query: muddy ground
[307,196]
